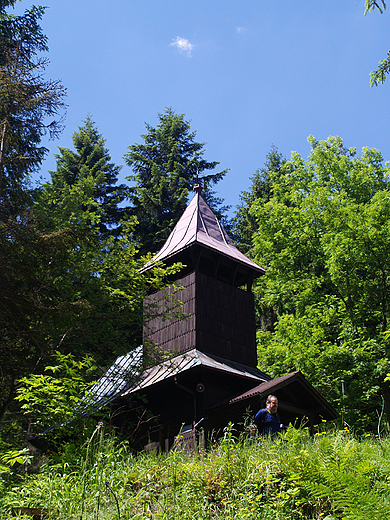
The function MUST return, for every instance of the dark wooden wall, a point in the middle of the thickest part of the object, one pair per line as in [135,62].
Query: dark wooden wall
[221,320]
[177,334]
[225,321]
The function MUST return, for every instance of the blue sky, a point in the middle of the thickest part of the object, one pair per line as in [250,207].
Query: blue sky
[248,74]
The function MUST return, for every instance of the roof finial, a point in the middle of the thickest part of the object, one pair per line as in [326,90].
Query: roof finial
[197,187]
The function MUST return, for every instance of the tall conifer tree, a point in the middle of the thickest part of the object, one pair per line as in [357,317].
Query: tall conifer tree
[166,167]
[30,106]
[261,191]
[89,164]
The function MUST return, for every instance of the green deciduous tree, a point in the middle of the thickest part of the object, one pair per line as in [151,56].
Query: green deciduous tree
[166,168]
[29,258]
[67,290]
[54,397]
[324,237]
[102,270]
[33,311]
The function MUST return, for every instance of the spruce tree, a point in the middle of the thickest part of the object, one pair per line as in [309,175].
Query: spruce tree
[244,222]
[30,106]
[166,167]
[90,163]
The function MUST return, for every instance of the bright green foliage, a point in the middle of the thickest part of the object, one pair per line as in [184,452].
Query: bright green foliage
[67,290]
[379,75]
[66,284]
[104,273]
[27,101]
[324,238]
[16,457]
[244,222]
[29,258]
[51,399]
[261,190]
[309,343]
[370,5]
[166,168]
[332,476]
[88,165]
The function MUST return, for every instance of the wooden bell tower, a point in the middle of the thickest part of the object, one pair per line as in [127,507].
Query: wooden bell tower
[215,290]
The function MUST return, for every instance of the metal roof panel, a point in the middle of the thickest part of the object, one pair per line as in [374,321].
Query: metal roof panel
[190,360]
[198,224]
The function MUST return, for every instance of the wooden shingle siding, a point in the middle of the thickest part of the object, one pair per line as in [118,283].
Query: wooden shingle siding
[176,334]
[221,320]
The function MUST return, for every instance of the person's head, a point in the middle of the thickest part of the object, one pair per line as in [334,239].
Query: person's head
[272,404]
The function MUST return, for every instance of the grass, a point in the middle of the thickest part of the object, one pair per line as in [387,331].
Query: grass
[328,477]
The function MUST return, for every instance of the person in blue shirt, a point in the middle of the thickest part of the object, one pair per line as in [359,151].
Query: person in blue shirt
[267,419]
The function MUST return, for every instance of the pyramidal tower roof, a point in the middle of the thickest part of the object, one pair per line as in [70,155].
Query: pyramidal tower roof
[199,225]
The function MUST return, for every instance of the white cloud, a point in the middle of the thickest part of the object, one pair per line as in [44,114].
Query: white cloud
[183,45]
[240,30]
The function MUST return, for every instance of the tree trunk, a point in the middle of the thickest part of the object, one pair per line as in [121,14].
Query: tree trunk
[6,402]
[3,129]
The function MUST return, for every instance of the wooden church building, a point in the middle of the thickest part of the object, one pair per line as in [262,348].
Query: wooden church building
[210,376]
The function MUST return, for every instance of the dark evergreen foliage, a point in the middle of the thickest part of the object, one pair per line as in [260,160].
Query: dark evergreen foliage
[244,222]
[33,305]
[90,162]
[166,167]
[29,105]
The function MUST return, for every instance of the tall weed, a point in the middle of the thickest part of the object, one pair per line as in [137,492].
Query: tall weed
[331,475]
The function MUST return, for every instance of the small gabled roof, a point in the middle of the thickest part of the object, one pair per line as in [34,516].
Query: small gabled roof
[199,225]
[311,400]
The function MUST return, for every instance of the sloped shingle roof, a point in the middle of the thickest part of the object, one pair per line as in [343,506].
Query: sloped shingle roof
[198,224]
[275,385]
[125,375]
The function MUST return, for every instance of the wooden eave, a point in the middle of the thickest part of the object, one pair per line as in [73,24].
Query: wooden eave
[306,392]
